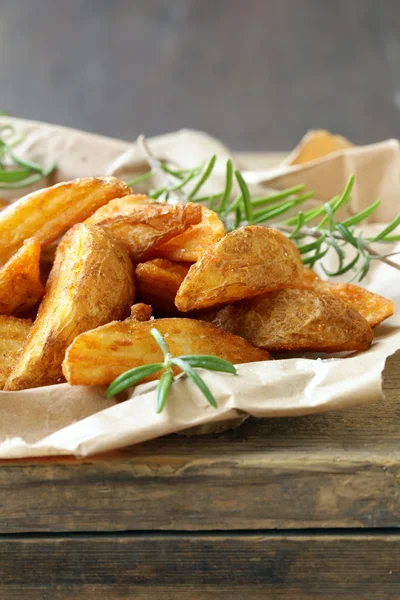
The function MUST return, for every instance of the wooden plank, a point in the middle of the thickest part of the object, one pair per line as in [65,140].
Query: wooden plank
[332,470]
[294,567]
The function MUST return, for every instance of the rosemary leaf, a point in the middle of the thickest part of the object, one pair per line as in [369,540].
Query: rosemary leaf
[385,232]
[160,341]
[132,377]
[248,209]
[163,387]
[195,377]
[228,186]
[140,178]
[271,199]
[312,245]
[212,363]
[342,270]
[204,177]
[362,215]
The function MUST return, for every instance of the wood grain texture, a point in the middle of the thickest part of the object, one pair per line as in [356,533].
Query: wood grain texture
[339,469]
[294,567]
[257,74]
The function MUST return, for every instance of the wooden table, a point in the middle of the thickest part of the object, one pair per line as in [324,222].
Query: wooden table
[296,508]
[292,508]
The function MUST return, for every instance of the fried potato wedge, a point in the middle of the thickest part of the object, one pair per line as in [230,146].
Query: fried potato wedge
[158,281]
[118,207]
[297,319]
[146,226]
[98,356]
[91,283]
[20,285]
[309,278]
[246,262]
[316,144]
[13,333]
[141,312]
[190,245]
[47,257]
[47,213]
[372,307]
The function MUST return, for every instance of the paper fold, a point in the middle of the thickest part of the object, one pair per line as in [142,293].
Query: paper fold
[74,420]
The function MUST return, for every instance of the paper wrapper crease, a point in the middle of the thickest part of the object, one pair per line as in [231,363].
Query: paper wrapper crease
[61,419]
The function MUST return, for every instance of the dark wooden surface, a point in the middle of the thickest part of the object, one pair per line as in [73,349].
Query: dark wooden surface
[255,566]
[338,469]
[256,73]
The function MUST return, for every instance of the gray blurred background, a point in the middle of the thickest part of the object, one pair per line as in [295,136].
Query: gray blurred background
[255,73]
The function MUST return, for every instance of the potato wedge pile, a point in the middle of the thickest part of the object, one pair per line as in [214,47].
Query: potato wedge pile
[84,266]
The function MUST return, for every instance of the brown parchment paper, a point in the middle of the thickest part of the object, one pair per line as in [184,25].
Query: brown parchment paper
[61,419]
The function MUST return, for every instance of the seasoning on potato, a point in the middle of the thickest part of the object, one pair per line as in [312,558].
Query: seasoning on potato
[146,226]
[91,283]
[13,333]
[372,307]
[98,356]
[297,319]
[246,262]
[20,286]
[118,207]
[158,281]
[190,245]
[49,212]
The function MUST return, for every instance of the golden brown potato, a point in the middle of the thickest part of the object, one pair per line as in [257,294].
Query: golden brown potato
[47,257]
[297,319]
[158,281]
[316,144]
[98,356]
[117,208]
[372,307]
[147,225]
[246,262]
[141,312]
[309,278]
[13,333]
[20,285]
[47,213]
[190,245]
[91,283]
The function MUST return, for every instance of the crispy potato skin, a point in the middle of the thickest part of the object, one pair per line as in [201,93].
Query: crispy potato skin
[246,262]
[47,213]
[98,356]
[141,312]
[297,319]
[118,207]
[47,257]
[190,245]
[372,307]
[20,285]
[13,333]
[91,283]
[145,226]
[158,281]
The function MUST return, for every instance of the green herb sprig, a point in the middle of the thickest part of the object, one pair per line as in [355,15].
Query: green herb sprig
[16,172]
[314,231]
[187,364]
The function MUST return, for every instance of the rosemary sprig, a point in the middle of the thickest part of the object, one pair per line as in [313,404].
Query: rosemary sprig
[315,231]
[16,172]
[187,364]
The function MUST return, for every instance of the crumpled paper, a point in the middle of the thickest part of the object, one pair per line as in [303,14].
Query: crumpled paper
[61,419]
